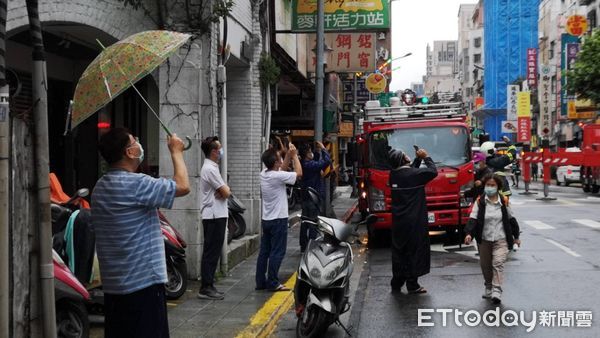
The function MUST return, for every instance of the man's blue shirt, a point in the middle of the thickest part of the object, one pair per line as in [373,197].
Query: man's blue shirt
[129,241]
[311,171]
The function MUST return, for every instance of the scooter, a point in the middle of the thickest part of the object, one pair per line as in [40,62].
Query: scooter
[71,298]
[322,288]
[174,249]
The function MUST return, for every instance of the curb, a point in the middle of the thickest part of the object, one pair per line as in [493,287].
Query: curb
[264,321]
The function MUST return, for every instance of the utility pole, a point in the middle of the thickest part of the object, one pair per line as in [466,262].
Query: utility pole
[4,178]
[319,70]
[40,118]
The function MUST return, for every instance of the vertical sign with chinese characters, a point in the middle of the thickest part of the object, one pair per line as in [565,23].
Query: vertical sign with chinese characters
[352,52]
[523,116]
[341,15]
[532,67]
[524,129]
[570,49]
[511,104]
[545,100]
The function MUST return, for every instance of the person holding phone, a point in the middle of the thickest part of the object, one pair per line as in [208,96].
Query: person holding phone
[410,227]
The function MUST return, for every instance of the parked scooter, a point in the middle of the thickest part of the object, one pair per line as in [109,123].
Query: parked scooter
[322,288]
[70,299]
[174,249]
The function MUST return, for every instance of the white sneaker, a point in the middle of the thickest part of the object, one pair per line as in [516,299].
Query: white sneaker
[487,294]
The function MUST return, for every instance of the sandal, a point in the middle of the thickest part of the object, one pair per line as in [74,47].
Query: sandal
[417,291]
[281,287]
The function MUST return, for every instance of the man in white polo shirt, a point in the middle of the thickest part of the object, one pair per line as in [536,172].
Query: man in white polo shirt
[273,242]
[213,196]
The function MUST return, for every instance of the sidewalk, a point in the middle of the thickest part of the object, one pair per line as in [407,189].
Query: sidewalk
[193,317]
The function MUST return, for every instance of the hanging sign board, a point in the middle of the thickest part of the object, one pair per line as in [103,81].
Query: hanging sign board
[359,15]
[376,83]
[577,25]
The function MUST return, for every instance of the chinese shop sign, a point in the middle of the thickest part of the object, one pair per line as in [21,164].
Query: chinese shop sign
[341,15]
[376,83]
[524,104]
[576,25]
[511,104]
[352,52]
[524,129]
[531,67]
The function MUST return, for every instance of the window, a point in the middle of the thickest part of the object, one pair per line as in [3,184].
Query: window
[477,42]
[477,58]
[551,50]
[592,20]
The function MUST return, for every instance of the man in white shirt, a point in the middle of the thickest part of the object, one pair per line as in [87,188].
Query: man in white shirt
[274,223]
[213,196]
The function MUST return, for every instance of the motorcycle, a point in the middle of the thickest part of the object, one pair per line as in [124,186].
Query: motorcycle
[84,241]
[322,290]
[175,254]
[71,298]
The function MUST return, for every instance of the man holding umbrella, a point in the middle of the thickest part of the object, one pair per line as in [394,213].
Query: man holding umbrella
[129,241]
[410,236]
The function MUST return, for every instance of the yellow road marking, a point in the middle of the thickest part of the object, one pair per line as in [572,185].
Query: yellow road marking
[263,322]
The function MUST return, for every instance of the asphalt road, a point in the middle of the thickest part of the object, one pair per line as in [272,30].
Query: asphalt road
[553,278]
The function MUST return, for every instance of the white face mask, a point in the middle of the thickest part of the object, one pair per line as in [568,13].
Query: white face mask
[141,157]
[490,191]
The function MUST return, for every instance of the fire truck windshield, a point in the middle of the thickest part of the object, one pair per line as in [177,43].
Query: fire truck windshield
[447,146]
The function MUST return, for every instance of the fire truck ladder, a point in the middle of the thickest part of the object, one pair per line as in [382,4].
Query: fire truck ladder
[376,114]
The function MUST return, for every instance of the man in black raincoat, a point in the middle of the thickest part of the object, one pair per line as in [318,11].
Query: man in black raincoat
[410,234]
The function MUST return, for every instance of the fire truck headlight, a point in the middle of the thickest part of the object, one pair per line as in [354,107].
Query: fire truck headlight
[377,198]
[466,201]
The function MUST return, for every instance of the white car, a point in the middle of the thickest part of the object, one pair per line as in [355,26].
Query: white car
[569,173]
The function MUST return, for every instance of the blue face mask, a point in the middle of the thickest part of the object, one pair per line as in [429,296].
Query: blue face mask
[221,152]
[490,191]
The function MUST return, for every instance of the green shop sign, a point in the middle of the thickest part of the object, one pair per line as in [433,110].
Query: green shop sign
[341,15]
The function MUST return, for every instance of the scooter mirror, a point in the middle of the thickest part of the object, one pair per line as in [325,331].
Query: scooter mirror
[83,192]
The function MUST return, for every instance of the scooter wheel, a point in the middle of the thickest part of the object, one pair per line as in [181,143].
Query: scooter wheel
[72,320]
[315,324]
[177,283]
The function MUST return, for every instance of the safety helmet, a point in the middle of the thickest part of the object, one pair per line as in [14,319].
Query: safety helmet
[488,148]
[478,157]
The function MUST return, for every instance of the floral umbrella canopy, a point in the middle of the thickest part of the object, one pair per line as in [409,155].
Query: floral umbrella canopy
[119,67]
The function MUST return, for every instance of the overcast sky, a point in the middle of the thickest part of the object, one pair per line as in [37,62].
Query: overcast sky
[414,24]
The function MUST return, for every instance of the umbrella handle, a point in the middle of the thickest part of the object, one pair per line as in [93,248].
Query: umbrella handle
[189,143]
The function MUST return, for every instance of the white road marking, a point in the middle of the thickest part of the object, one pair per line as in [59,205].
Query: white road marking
[563,248]
[539,225]
[588,223]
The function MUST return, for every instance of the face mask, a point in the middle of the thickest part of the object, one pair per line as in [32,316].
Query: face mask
[310,156]
[477,166]
[490,191]
[141,157]
[221,152]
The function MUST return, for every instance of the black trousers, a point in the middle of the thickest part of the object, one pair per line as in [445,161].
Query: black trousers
[139,314]
[214,235]
[308,232]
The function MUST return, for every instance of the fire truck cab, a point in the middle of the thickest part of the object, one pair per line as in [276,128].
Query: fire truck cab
[441,130]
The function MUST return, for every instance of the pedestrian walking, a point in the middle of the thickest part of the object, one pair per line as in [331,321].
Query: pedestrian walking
[312,165]
[213,198]
[534,171]
[273,242]
[129,241]
[411,256]
[496,230]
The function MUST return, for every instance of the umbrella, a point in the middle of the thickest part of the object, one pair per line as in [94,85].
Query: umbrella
[119,67]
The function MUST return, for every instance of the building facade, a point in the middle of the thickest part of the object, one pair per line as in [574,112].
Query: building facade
[470,46]
[184,91]
[442,67]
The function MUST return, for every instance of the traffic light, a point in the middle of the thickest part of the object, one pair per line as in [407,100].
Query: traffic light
[423,100]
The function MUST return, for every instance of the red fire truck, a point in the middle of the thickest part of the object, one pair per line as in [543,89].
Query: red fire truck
[438,128]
